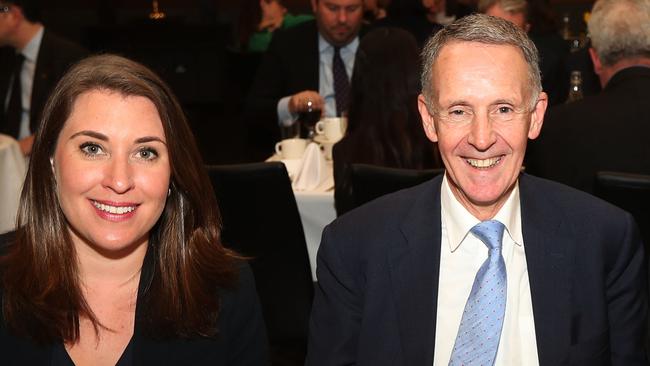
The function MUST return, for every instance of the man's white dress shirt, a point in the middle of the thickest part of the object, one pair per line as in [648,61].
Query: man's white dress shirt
[461,255]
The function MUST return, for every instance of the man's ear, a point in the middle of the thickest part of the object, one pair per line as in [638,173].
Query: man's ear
[427,119]
[537,116]
[314,6]
[598,66]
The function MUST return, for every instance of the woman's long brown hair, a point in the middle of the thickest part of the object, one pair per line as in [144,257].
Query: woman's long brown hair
[42,297]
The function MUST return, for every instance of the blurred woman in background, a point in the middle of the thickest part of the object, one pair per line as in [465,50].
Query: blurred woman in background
[384,126]
[117,258]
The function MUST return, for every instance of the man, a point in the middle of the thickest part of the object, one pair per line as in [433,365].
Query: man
[608,131]
[45,57]
[398,279]
[553,50]
[307,66]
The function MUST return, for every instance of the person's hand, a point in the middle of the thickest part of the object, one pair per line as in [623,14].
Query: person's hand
[272,15]
[26,145]
[299,102]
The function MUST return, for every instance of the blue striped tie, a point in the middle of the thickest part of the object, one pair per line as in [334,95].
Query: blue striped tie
[480,327]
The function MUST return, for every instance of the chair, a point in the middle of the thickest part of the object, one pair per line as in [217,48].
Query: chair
[261,221]
[630,192]
[368,182]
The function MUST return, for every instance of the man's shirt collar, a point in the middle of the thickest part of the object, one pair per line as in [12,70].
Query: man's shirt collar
[459,221]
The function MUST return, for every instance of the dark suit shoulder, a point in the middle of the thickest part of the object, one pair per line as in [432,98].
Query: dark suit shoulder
[391,208]
[579,207]
[60,51]
[367,231]
[300,31]
[607,131]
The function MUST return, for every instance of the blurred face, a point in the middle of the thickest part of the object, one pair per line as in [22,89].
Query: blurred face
[518,19]
[8,23]
[481,118]
[112,171]
[433,6]
[338,21]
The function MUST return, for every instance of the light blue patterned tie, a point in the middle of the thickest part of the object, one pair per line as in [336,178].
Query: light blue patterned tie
[480,327]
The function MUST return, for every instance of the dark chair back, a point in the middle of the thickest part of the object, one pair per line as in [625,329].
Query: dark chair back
[630,192]
[370,181]
[261,221]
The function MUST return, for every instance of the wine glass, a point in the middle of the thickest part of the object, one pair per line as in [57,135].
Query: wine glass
[309,118]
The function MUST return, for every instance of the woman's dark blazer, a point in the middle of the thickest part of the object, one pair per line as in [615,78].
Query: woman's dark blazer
[241,339]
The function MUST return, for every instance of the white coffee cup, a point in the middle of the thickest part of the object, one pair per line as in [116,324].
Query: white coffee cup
[331,128]
[291,148]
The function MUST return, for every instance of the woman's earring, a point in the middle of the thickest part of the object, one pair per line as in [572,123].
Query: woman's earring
[169,192]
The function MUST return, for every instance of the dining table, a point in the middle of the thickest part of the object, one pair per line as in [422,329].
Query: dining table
[316,211]
[315,202]
[13,168]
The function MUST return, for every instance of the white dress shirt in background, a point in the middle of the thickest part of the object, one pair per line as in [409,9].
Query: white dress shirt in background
[325,78]
[30,52]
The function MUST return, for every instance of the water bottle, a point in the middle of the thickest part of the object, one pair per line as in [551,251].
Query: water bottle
[575,90]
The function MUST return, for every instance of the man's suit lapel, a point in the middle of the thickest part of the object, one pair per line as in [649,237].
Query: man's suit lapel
[414,265]
[548,257]
[312,71]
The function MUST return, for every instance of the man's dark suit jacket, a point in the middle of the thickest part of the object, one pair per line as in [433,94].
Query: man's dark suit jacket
[608,131]
[290,65]
[378,280]
[241,340]
[55,56]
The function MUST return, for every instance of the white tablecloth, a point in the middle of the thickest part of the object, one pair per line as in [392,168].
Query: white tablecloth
[12,174]
[316,208]
[316,211]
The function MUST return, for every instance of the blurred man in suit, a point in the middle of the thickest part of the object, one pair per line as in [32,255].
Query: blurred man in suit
[483,265]
[301,68]
[33,59]
[608,131]
[530,15]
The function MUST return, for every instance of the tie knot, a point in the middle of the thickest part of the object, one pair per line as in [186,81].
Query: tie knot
[337,50]
[489,232]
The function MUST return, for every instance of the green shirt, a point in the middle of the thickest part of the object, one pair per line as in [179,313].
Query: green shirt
[260,41]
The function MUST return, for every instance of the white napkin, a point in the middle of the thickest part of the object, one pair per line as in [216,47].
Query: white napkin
[313,170]
[13,168]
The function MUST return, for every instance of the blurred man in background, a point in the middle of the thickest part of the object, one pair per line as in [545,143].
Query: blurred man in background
[33,59]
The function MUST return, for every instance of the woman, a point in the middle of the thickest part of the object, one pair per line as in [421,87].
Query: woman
[118,259]
[384,125]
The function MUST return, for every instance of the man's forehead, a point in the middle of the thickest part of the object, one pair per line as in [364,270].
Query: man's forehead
[475,52]
[463,64]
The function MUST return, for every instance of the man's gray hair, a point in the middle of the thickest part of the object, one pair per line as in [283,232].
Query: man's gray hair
[486,29]
[620,29]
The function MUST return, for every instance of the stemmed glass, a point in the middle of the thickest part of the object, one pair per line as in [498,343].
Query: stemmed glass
[309,118]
